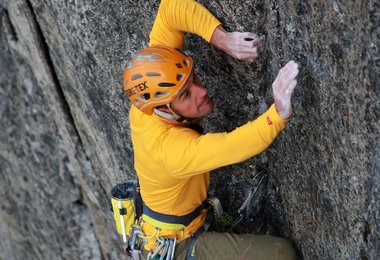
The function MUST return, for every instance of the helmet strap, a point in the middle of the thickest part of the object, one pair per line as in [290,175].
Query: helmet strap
[174,116]
[163,114]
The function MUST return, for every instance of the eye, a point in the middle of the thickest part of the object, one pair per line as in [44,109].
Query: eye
[197,80]
[185,94]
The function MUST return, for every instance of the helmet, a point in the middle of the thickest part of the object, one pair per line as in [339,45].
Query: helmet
[154,76]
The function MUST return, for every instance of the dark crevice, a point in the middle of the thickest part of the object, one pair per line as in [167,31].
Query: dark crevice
[63,102]
[45,52]
[366,232]
[102,187]
[79,202]
[8,25]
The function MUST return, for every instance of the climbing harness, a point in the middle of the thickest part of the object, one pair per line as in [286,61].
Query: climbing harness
[130,213]
[166,246]
[172,219]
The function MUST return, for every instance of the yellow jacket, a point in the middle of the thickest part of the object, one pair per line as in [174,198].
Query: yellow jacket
[173,162]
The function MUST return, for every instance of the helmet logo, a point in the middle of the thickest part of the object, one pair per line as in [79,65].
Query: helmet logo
[136,89]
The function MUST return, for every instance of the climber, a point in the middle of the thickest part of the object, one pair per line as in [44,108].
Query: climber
[173,157]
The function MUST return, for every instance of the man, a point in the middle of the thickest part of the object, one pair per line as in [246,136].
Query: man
[172,156]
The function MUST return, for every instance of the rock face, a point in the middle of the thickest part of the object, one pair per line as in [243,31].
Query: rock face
[65,132]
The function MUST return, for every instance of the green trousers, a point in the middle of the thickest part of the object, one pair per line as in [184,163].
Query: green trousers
[227,246]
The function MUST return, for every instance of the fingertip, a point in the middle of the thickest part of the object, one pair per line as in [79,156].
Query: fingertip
[252,35]
[292,62]
[293,85]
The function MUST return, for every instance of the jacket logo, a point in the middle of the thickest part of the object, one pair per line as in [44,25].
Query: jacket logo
[269,121]
[137,89]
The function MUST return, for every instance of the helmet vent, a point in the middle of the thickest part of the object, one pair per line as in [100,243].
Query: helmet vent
[166,84]
[145,96]
[186,62]
[160,94]
[137,76]
[179,77]
[153,74]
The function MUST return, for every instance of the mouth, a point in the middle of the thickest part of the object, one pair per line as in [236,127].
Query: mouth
[205,101]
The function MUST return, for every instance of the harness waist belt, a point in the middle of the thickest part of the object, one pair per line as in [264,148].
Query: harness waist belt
[173,219]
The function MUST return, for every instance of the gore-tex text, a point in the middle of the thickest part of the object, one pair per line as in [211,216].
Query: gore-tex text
[136,89]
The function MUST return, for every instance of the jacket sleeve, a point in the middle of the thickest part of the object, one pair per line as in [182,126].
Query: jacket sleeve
[186,153]
[175,17]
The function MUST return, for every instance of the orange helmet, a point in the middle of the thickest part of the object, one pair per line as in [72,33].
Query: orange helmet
[154,76]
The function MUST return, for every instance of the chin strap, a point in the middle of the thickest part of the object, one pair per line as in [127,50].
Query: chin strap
[164,114]
[174,116]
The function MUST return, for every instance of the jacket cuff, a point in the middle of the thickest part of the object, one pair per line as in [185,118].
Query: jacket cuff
[274,117]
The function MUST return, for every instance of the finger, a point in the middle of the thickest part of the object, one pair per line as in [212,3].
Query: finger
[290,89]
[248,50]
[276,86]
[291,73]
[249,44]
[253,42]
[288,79]
[289,65]
[249,35]
[281,85]
[292,64]
[261,46]
[244,52]
[248,56]
[292,86]
[288,72]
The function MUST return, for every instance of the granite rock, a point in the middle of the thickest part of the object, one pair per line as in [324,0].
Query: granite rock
[65,138]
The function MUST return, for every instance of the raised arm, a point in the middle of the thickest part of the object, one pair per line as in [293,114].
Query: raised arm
[191,153]
[187,153]
[175,17]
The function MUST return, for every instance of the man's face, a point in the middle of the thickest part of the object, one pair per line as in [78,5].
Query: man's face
[192,101]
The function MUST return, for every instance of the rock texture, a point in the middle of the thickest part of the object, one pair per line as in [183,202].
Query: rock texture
[65,140]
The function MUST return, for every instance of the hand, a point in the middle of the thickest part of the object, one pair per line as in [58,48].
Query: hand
[283,87]
[243,46]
